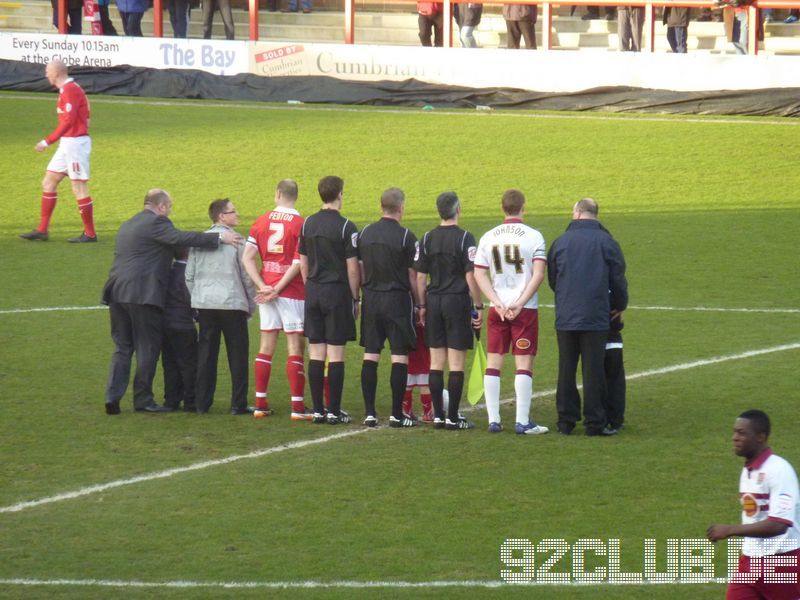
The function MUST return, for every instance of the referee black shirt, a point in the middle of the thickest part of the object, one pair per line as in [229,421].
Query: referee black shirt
[387,251]
[328,240]
[446,254]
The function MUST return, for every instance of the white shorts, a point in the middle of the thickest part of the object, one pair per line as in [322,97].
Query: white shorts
[72,158]
[420,380]
[282,313]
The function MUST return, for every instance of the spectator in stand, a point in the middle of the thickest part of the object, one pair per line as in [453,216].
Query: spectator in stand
[630,21]
[179,345]
[676,18]
[430,17]
[131,13]
[737,23]
[520,22]
[179,17]
[794,16]
[468,17]
[209,8]
[74,15]
[292,7]
[225,298]
[593,12]
[105,19]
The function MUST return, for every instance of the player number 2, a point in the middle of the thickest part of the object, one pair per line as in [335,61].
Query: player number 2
[511,254]
[275,241]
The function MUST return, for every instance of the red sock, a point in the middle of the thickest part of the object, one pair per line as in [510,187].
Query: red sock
[427,405]
[295,373]
[408,400]
[262,367]
[85,208]
[48,206]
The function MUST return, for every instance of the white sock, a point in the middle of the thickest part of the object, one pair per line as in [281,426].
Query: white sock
[523,386]
[491,391]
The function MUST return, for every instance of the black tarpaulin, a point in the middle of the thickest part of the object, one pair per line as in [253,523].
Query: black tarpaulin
[177,83]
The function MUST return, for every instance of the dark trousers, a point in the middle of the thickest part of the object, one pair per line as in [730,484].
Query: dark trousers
[74,16]
[233,325]
[590,347]
[518,30]
[179,363]
[105,20]
[676,36]
[428,23]
[179,17]
[615,388]
[209,7]
[135,329]
[132,23]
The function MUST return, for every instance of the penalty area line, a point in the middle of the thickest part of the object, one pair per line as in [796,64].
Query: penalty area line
[102,487]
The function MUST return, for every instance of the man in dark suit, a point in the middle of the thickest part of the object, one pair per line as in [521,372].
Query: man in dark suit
[135,293]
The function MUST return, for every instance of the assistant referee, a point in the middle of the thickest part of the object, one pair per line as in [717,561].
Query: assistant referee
[328,251]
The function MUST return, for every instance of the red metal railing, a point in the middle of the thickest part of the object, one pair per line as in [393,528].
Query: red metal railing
[545,15]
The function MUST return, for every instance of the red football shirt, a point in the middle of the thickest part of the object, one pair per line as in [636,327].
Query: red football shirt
[276,235]
[73,112]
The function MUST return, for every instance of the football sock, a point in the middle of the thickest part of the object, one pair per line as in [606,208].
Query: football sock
[436,384]
[48,206]
[523,386]
[316,384]
[397,381]
[427,406]
[408,401]
[369,385]
[336,385]
[262,366]
[491,391]
[296,375]
[85,208]
[455,385]
[327,389]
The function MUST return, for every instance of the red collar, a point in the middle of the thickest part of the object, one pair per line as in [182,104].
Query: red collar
[758,460]
[512,220]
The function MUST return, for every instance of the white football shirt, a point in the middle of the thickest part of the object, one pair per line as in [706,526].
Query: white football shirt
[768,490]
[508,251]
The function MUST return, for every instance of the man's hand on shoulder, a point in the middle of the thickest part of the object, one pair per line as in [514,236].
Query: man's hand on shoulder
[230,237]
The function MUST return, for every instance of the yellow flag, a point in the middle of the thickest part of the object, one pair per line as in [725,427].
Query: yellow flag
[475,385]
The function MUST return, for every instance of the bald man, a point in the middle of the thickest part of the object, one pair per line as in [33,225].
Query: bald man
[70,159]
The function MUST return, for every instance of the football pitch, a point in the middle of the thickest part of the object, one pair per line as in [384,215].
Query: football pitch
[706,210]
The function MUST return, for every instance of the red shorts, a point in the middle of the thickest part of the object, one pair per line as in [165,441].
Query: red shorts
[755,587]
[419,360]
[521,334]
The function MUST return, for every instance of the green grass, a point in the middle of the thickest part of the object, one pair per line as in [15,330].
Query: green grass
[706,212]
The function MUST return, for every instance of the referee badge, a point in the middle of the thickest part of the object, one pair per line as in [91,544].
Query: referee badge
[354,239]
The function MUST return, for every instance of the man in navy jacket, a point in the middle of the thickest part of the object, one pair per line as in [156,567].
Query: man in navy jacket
[586,270]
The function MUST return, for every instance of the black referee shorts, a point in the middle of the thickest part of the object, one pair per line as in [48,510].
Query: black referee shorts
[329,314]
[448,322]
[388,315]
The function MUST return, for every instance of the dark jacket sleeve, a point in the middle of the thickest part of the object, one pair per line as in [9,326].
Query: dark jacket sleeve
[551,268]
[617,283]
[165,233]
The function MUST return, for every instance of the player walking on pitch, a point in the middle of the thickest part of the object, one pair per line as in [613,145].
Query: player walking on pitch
[71,158]
[509,268]
[274,238]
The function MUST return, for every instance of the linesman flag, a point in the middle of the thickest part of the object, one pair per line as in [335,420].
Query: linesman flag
[475,385]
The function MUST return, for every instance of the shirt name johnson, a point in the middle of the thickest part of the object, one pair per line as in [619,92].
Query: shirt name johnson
[595,561]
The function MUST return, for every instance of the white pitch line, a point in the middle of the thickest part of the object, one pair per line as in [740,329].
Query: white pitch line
[311,584]
[93,489]
[411,111]
[44,309]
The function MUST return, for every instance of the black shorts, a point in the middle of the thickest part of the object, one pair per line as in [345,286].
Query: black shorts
[388,315]
[329,314]
[448,322]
